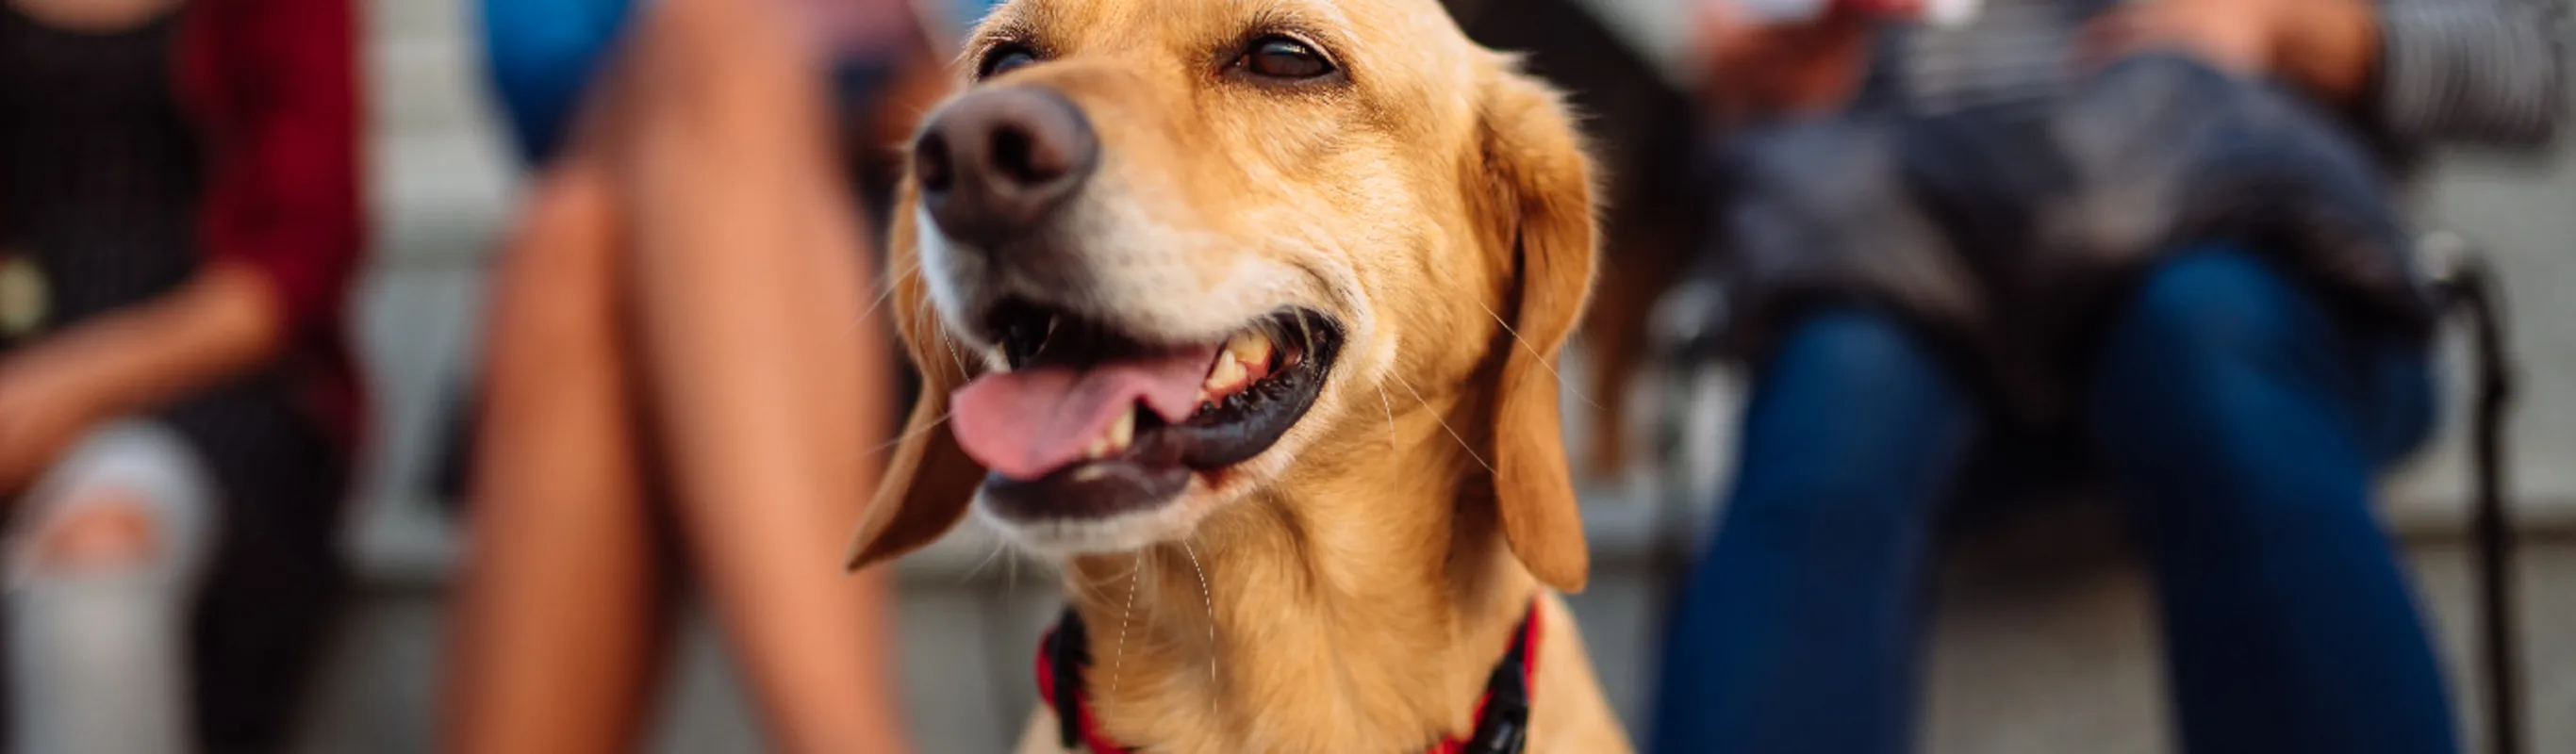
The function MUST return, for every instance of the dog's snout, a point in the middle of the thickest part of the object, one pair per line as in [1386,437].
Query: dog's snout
[996,162]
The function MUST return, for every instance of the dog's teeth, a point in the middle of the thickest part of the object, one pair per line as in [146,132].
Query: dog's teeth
[1229,372]
[1122,432]
[1251,347]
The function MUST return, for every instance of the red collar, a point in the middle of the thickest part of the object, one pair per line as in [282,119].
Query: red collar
[1502,712]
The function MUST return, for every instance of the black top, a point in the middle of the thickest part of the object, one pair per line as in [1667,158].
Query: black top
[99,176]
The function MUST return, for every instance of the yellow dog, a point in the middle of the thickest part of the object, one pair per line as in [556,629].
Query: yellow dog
[1244,312]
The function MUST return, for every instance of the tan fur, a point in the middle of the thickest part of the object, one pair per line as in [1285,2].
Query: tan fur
[1350,589]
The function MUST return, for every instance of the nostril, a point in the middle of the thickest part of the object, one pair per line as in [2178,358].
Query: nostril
[996,163]
[1025,159]
[932,165]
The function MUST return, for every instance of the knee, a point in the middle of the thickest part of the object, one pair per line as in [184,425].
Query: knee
[567,225]
[109,530]
[1854,427]
[2205,304]
[1855,385]
[129,496]
[557,286]
[1854,349]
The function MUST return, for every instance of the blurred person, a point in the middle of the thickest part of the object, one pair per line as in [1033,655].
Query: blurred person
[179,222]
[2146,240]
[681,367]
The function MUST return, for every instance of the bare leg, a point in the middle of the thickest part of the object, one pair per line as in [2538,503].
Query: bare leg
[748,279]
[726,256]
[561,614]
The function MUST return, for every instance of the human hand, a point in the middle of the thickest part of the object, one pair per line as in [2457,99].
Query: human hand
[1752,67]
[217,325]
[2326,46]
[46,402]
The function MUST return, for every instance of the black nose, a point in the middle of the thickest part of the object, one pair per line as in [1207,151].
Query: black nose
[995,163]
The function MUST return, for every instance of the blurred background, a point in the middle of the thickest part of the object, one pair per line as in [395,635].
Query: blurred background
[2042,642]
[2055,658]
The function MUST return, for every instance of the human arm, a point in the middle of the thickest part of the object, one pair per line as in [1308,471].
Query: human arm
[271,82]
[1751,68]
[219,323]
[278,94]
[2476,71]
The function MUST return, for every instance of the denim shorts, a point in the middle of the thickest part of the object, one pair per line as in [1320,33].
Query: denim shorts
[541,56]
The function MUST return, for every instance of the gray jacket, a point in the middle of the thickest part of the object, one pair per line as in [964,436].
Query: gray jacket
[1983,188]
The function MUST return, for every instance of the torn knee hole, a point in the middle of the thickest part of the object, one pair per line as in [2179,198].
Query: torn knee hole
[98,534]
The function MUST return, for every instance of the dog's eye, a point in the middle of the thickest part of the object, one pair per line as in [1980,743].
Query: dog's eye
[1284,58]
[1004,59]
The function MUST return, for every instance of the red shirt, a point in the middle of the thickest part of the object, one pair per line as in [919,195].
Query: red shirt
[272,86]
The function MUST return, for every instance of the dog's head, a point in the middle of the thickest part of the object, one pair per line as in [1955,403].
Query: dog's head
[1159,250]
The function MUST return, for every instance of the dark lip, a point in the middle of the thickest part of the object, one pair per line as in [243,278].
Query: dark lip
[1157,467]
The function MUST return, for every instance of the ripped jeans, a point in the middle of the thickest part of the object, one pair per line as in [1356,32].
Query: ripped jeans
[102,564]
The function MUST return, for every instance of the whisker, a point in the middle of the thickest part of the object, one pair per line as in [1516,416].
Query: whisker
[1270,329]
[998,548]
[1533,351]
[1118,656]
[1084,589]
[1010,572]
[1444,423]
[1207,599]
[922,309]
[888,293]
[1382,402]
[1306,333]
[899,439]
[951,345]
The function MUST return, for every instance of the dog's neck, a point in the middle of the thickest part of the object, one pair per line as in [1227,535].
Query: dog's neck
[1361,608]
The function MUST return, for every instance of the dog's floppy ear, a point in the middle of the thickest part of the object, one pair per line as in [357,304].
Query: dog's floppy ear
[930,479]
[1538,203]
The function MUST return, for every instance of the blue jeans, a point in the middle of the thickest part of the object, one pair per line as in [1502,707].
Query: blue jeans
[2239,417]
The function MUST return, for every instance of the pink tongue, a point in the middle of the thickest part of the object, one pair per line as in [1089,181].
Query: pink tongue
[1026,424]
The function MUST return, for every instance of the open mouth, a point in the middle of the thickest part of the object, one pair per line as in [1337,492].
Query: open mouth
[1090,423]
